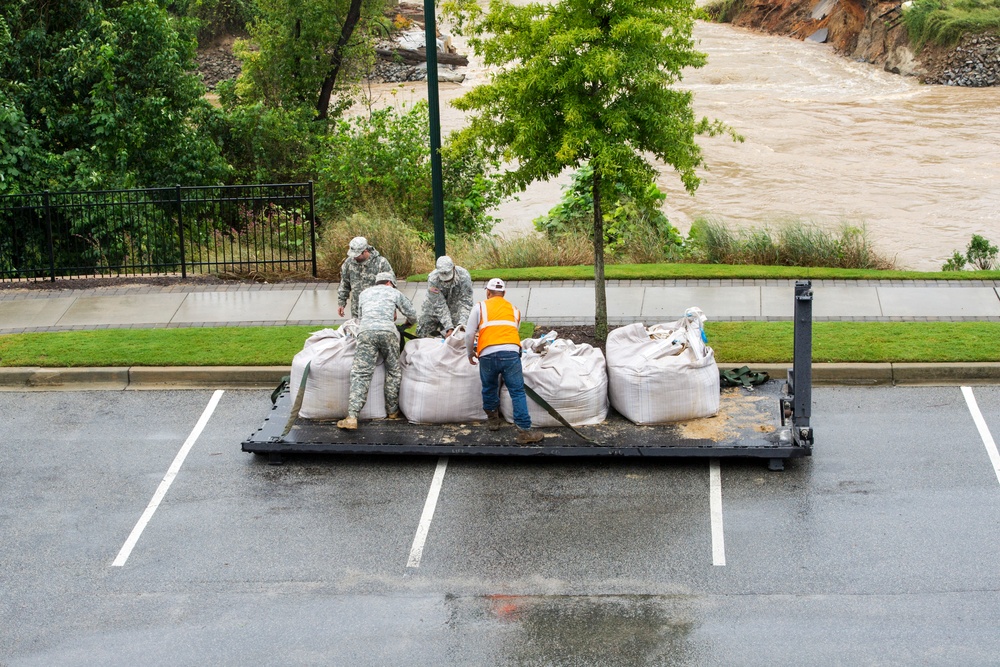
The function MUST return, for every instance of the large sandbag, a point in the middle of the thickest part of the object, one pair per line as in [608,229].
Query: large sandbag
[328,388]
[664,373]
[571,378]
[439,385]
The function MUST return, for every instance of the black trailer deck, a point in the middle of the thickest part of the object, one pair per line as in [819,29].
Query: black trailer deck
[769,422]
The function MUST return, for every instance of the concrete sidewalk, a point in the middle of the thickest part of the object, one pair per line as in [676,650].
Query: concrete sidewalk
[549,303]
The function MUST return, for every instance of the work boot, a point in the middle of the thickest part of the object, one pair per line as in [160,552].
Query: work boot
[526,437]
[348,423]
[393,415]
[494,421]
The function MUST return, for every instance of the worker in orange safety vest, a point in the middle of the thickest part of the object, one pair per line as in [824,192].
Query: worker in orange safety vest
[498,350]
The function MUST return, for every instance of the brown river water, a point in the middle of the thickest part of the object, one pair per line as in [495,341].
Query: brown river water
[827,140]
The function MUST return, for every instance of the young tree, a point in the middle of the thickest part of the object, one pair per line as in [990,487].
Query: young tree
[302,49]
[586,81]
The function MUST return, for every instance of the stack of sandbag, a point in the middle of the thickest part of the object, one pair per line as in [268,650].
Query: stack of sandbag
[570,377]
[663,373]
[330,354]
[439,385]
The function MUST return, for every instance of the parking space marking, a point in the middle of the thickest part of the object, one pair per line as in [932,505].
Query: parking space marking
[417,550]
[168,479]
[984,430]
[715,505]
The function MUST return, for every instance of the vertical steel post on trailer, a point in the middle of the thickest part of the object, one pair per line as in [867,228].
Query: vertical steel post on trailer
[796,405]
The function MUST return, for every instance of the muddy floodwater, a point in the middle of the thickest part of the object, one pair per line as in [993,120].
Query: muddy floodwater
[827,140]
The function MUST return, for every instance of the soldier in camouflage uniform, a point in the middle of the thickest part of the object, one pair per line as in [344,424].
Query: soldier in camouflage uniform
[358,272]
[449,299]
[377,333]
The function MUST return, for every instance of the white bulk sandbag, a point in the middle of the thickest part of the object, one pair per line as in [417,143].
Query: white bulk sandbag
[439,385]
[328,388]
[571,377]
[664,373]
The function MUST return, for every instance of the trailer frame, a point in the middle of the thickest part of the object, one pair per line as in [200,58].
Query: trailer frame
[748,432]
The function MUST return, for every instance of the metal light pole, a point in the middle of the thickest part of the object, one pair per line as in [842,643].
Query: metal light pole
[433,108]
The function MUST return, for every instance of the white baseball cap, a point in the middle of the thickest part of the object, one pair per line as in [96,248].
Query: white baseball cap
[496,285]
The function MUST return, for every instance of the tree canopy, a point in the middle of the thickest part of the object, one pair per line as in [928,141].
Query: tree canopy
[99,94]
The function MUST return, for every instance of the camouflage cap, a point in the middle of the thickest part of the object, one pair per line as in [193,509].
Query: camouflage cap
[358,246]
[385,276]
[445,268]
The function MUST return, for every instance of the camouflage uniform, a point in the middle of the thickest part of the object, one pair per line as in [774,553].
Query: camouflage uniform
[448,303]
[377,334]
[356,276]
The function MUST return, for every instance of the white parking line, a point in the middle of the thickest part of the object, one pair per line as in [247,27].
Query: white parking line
[417,550]
[168,479]
[715,504]
[984,431]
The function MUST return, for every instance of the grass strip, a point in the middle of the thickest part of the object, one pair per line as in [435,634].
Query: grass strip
[715,271]
[761,342]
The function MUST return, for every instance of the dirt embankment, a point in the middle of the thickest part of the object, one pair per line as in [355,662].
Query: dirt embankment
[871,31]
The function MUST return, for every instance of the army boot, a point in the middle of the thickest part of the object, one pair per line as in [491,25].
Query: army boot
[494,421]
[526,437]
[348,423]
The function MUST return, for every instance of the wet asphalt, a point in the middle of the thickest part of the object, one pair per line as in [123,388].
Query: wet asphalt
[880,549]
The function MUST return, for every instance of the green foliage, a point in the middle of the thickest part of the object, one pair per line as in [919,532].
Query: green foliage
[585,80]
[793,244]
[102,96]
[299,45]
[264,144]
[628,219]
[216,17]
[721,11]
[980,254]
[385,157]
[944,22]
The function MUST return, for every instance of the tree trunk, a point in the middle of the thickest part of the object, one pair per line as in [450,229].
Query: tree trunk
[415,57]
[601,297]
[336,60]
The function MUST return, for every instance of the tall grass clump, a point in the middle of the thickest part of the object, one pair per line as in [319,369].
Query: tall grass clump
[394,240]
[793,244]
[944,22]
[493,252]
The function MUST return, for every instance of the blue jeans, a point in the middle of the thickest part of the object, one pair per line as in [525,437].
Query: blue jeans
[508,365]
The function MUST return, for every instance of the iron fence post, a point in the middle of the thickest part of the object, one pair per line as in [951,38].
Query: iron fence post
[312,226]
[180,229]
[48,228]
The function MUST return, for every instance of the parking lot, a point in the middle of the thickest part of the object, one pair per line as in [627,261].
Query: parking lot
[137,532]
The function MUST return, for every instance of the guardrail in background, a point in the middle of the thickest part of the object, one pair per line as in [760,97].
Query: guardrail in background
[205,229]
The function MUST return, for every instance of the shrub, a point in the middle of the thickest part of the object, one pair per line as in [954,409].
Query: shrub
[980,254]
[632,225]
[385,157]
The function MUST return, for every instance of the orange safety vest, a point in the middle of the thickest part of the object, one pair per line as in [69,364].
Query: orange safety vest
[498,323]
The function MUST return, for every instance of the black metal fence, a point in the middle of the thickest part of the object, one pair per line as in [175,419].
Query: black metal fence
[179,230]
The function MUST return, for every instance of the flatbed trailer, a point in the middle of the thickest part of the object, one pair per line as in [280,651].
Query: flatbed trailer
[769,422]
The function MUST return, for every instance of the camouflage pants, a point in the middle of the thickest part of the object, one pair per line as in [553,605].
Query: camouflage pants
[370,344]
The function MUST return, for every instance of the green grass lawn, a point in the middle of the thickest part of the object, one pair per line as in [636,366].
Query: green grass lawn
[709,271]
[760,342]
